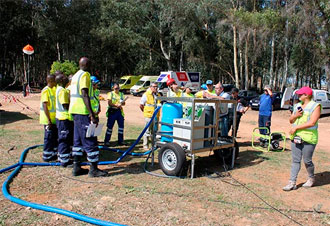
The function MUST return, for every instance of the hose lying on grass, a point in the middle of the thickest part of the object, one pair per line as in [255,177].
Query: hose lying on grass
[18,166]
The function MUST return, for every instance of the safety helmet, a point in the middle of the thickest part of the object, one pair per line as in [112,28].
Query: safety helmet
[94,80]
[204,87]
[170,81]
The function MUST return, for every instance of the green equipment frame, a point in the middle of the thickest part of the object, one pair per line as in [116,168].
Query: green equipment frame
[257,134]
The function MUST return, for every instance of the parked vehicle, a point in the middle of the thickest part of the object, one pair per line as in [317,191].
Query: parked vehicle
[228,87]
[126,82]
[142,85]
[182,78]
[321,96]
[248,94]
[276,103]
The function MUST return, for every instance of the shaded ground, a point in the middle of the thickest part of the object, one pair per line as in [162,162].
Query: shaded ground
[130,196]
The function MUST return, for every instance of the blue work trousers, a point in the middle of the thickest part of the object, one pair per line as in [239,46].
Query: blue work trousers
[65,139]
[115,116]
[81,142]
[264,121]
[50,142]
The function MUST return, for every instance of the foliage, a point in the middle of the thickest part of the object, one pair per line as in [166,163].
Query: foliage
[67,67]
[146,37]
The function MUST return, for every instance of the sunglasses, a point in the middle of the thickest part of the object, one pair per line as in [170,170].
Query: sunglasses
[154,86]
[115,88]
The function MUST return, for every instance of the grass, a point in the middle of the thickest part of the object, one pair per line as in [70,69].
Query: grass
[129,196]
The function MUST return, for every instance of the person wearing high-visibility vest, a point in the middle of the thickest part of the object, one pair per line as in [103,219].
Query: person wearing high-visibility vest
[174,90]
[47,118]
[64,121]
[304,136]
[199,94]
[115,112]
[187,92]
[148,104]
[210,89]
[81,108]
[96,104]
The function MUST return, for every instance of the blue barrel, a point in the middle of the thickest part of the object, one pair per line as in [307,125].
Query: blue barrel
[170,111]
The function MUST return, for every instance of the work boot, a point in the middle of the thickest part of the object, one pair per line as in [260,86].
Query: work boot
[107,143]
[309,183]
[77,170]
[96,172]
[291,186]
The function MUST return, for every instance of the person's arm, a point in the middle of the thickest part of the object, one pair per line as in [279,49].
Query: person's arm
[313,120]
[87,102]
[142,107]
[44,105]
[294,116]
[270,92]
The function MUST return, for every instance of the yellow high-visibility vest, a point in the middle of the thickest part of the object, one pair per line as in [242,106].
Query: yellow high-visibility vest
[61,112]
[77,105]
[96,101]
[50,105]
[116,98]
[309,135]
[150,105]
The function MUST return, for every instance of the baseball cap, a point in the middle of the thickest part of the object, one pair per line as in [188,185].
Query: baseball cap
[305,90]
[209,82]
[203,86]
[267,87]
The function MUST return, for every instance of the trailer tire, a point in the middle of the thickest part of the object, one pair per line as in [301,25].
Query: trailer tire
[171,158]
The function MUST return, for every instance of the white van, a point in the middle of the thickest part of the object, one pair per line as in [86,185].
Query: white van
[319,96]
[182,78]
[142,85]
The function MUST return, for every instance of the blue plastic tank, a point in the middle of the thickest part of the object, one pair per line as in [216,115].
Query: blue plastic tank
[170,111]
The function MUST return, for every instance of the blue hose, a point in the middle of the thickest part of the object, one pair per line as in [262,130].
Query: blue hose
[21,163]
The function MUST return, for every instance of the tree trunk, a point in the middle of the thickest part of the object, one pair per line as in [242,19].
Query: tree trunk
[246,84]
[323,38]
[252,84]
[167,55]
[276,74]
[297,79]
[58,51]
[240,63]
[271,69]
[235,57]
[286,54]
[181,57]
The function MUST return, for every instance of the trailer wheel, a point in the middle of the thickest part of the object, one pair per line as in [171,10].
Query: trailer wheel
[171,158]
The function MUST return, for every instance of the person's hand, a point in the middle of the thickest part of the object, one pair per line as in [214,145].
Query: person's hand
[206,94]
[94,120]
[298,114]
[292,131]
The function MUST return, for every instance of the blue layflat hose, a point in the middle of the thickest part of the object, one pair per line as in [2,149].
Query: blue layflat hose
[21,163]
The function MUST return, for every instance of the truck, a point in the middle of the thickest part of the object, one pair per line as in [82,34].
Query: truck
[320,96]
[182,78]
[126,82]
[142,85]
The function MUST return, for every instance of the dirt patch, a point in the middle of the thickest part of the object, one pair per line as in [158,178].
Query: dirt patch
[129,196]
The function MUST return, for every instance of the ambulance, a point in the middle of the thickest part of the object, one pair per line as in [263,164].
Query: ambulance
[126,82]
[142,85]
[182,78]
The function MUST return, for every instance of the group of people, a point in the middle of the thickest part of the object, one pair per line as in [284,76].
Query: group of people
[67,110]
[69,105]
[149,103]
